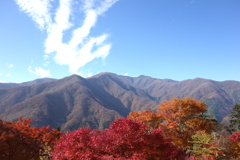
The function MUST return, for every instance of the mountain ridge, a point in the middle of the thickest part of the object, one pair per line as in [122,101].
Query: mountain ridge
[74,101]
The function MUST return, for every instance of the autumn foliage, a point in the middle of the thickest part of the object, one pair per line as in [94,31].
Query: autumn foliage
[20,141]
[234,141]
[204,146]
[124,139]
[178,130]
[150,118]
[183,119]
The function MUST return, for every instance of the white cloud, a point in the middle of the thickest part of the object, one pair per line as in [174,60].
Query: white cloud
[82,32]
[78,58]
[10,65]
[2,81]
[81,48]
[39,71]
[38,10]
[6,74]
[85,75]
[89,75]
[125,74]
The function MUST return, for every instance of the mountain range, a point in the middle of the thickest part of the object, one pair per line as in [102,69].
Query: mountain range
[73,102]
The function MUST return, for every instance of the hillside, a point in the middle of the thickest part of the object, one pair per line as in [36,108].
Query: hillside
[74,102]
[219,96]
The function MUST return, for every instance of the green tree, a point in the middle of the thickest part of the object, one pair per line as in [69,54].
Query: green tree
[204,147]
[235,121]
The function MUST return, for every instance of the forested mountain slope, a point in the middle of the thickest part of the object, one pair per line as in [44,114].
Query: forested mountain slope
[74,102]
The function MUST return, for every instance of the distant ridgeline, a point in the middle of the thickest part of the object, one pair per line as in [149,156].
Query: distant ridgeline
[74,102]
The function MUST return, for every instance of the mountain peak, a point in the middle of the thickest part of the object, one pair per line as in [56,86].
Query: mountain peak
[74,101]
[105,73]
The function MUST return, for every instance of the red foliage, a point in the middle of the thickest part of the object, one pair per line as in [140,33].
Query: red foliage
[235,137]
[19,140]
[124,139]
[234,141]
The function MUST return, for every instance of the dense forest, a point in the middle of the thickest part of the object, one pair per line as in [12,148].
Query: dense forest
[179,129]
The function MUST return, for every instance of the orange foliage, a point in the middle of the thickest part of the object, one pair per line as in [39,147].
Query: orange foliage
[179,118]
[181,109]
[148,117]
[183,120]
[19,140]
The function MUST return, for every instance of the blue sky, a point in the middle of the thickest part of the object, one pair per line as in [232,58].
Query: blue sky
[175,39]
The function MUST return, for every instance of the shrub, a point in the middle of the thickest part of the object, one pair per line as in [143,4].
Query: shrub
[124,139]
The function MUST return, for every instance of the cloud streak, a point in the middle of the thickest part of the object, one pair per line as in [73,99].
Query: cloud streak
[39,71]
[81,47]
[38,10]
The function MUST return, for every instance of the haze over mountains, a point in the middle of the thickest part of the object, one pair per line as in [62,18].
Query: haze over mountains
[74,102]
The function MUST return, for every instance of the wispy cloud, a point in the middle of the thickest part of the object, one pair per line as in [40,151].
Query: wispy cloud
[39,71]
[81,48]
[38,10]
[10,65]
[5,74]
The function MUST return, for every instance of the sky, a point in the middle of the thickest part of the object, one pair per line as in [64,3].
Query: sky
[165,39]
